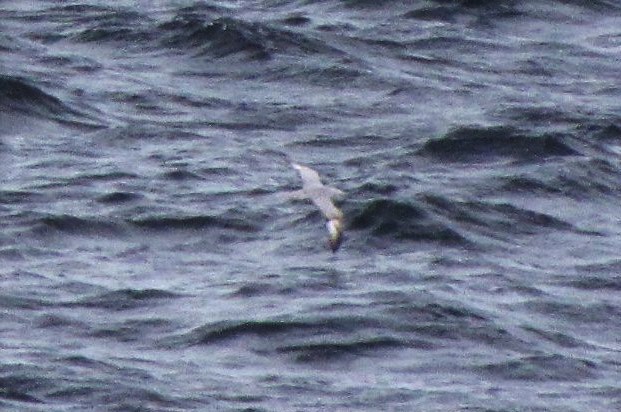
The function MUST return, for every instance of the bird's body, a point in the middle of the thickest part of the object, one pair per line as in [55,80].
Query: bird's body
[321,196]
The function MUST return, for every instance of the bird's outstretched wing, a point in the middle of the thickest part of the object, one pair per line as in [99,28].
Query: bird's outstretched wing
[310,178]
[324,203]
[321,196]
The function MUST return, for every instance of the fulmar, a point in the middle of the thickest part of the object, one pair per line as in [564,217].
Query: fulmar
[321,196]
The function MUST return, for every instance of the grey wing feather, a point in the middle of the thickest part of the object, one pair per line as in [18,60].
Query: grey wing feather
[310,178]
[315,190]
[329,210]
[334,192]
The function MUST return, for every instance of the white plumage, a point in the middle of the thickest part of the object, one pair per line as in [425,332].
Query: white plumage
[321,196]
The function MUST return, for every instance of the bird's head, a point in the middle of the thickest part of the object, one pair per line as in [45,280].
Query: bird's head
[335,228]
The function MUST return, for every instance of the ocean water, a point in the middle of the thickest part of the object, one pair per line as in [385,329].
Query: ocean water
[148,262]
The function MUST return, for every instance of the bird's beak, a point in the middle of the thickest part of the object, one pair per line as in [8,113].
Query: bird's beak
[335,227]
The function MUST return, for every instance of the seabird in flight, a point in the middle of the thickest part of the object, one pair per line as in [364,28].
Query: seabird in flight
[321,196]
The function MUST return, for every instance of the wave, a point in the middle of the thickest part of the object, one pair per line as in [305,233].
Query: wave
[226,36]
[119,197]
[589,314]
[583,179]
[500,218]
[74,225]
[8,197]
[224,330]
[123,299]
[30,386]
[253,289]
[203,30]
[113,227]
[563,340]
[20,386]
[476,144]
[16,95]
[229,329]
[92,23]
[166,223]
[538,368]
[58,321]
[134,330]
[20,98]
[402,220]
[14,302]
[333,350]
[437,219]
[402,324]
[590,282]
[137,131]
[486,12]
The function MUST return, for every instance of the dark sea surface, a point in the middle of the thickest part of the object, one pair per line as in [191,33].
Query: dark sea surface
[149,262]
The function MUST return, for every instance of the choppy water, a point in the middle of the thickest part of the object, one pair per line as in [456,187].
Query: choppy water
[149,264]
